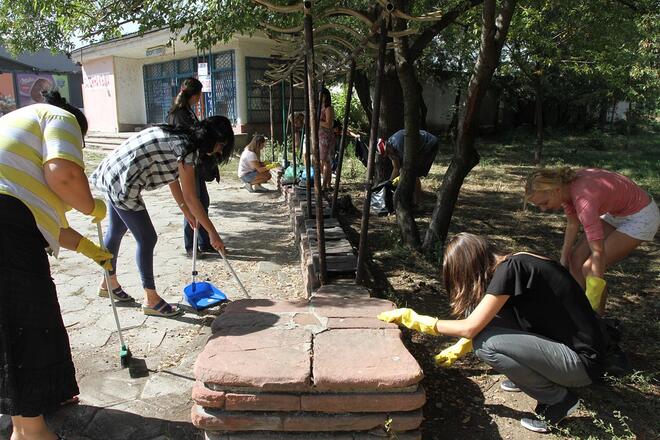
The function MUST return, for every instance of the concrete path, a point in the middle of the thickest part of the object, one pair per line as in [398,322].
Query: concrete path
[152,399]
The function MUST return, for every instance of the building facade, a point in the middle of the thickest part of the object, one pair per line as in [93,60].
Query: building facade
[131,81]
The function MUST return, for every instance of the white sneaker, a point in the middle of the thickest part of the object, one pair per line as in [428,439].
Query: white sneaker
[258,188]
[248,187]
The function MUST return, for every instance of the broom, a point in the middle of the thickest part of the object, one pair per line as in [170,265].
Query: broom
[124,352]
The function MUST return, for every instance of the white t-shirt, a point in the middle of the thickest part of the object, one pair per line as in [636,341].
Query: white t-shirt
[244,165]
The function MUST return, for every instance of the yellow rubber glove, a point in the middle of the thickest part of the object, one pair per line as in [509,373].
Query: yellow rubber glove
[410,319]
[270,166]
[99,212]
[451,354]
[94,252]
[395,182]
[594,290]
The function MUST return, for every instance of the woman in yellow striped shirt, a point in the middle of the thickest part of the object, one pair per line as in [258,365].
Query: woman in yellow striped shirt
[41,177]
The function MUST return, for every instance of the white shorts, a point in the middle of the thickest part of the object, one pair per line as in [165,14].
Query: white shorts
[641,225]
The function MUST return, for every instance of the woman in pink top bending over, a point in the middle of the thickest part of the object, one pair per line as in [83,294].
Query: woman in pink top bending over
[615,213]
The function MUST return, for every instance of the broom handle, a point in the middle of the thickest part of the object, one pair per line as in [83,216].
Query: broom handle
[194,252]
[109,287]
[235,276]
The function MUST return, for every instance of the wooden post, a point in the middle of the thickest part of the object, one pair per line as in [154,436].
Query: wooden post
[284,143]
[314,135]
[272,125]
[292,125]
[342,142]
[308,160]
[373,136]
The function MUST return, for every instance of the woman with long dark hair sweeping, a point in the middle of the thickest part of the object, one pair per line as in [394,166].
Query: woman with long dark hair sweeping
[157,156]
[41,176]
[182,113]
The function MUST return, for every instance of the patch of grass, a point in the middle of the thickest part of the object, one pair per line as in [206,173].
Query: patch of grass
[491,204]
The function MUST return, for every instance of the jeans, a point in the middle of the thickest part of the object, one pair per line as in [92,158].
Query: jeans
[203,241]
[540,367]
[139,223]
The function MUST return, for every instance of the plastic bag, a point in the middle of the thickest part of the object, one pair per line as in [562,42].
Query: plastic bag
[382,198]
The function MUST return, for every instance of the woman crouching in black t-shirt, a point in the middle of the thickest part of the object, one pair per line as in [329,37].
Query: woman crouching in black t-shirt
[528,319]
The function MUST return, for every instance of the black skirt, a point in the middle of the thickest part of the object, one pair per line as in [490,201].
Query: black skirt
[36,369]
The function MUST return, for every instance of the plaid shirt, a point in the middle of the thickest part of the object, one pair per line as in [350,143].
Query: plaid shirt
[146,161]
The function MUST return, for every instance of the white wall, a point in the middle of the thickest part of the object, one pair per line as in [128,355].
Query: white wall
[439,100]
[129,83]
[99,94]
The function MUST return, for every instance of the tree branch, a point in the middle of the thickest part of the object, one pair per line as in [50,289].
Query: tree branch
[432,31]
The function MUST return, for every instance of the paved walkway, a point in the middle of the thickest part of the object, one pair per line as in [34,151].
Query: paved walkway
[152,399]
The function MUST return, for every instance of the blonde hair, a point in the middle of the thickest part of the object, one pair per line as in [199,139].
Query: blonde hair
[468,265]
[257,140]
[545,179]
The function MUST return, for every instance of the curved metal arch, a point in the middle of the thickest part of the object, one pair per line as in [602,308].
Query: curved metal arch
[292,30]
[345,11]
[337,39]
[279,8]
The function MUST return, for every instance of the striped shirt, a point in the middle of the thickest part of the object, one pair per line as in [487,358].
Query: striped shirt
[145,161]
[30,137]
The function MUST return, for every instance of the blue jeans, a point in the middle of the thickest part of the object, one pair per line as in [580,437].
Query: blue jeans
[203,241]
[139,223]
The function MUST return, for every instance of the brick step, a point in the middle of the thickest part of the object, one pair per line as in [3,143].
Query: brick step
[327,223]
[332,247]
[377,434]
[337,265]
[219,420]
[331,233]
[316,402]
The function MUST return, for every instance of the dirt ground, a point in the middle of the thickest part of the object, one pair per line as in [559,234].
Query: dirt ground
[465,400]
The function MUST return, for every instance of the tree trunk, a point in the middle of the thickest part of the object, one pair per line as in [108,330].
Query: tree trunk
[493,35]
[392,100]
[403,199]
[363,92]
[538,117]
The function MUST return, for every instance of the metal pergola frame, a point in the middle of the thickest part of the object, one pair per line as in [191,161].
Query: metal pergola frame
[303,61]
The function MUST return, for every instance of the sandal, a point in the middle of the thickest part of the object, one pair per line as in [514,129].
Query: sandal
[118,294]
[162,309]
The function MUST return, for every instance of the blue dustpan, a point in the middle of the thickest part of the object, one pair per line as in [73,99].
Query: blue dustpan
[203,295]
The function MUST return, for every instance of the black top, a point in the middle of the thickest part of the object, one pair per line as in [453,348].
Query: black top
[182,116]
[546,300]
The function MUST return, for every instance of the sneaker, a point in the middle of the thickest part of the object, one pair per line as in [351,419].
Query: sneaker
[550,415]
[258,188]
[509,386]
[248,187]
[189,254]
[209,252]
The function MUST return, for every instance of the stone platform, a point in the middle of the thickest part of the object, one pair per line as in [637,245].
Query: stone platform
[323,365]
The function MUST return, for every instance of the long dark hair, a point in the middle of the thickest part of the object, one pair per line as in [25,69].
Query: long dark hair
[53,97]
[205,134]
[326,98]
[468,265]
[189,88]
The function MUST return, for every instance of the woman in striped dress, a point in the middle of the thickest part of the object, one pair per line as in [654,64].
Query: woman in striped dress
[41,176]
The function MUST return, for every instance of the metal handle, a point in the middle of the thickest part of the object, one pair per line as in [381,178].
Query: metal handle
[235,276]
[109,287]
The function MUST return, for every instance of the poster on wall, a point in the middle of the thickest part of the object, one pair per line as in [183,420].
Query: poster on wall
[30,86]
[7,98]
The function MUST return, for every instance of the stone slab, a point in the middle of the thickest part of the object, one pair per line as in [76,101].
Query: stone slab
[219,420]
[359,323]
[207,397]
[337,307]
[271,359]
[262,402]
[350,290]
[327,223]
[374,435]
[332,247]
[363,402]
[363,360]
[338,264]
[335,233]
[249,319]
[266,306]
